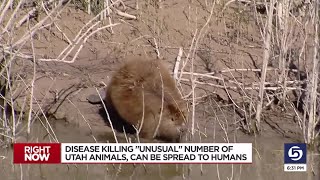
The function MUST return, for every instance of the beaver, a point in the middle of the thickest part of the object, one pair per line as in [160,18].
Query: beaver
[145,95]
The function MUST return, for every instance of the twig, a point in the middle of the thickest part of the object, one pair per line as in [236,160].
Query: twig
[109,17]
[123,14]
[162,105]
[266,55]
[13,16]
[57,26]
[177,64]
[313,85]
[156,47]
[37,27]
[26,17]
[246,88]
[32,84]
[4,11]
[81,46]
[108,116]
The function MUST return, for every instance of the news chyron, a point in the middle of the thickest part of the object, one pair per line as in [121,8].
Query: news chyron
[133,153]
[295,157]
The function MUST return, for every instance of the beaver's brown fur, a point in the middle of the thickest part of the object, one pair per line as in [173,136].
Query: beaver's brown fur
[139,89]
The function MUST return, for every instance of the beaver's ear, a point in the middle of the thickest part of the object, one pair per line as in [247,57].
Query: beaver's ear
[172,109]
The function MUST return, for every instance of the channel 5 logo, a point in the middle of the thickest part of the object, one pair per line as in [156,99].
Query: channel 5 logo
[295,153]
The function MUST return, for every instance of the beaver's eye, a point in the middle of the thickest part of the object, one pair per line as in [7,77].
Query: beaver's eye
[172,119]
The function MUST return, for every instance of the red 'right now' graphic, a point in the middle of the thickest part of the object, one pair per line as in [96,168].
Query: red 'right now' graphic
[46,153]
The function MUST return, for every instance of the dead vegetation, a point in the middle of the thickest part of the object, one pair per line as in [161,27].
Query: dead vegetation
[245,57]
